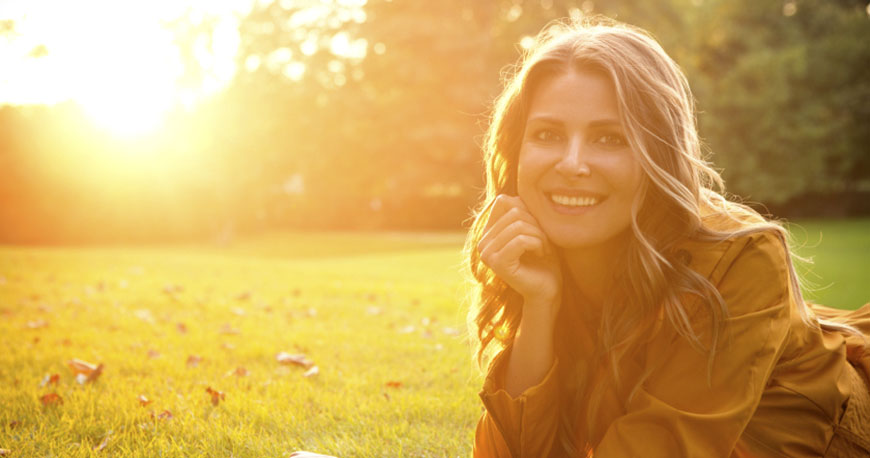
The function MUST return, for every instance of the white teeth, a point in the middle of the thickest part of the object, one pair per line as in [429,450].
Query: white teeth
[574,201]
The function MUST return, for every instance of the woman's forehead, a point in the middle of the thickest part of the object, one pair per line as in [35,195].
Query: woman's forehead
[580,95]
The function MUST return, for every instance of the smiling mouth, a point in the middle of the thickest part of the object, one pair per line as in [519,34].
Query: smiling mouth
[574,201]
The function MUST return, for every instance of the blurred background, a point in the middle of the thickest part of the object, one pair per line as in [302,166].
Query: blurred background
[205,120]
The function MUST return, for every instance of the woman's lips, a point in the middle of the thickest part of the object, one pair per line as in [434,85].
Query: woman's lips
[574,202]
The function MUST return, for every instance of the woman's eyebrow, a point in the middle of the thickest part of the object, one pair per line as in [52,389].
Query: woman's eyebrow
[544,118]
[605,123]
[549,119]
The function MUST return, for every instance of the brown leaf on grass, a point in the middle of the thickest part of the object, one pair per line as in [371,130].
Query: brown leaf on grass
[37,324]
[14,423]
[297,359]
[181,327]
[226,329]
[393,384]
[193,360]
[171,289]
[99,447]
[451,331]
[165,415]
[84,371]
[51,399]
[143,401]
[239,372]
[311,372]
[216,396]
[5,452]
[49,379]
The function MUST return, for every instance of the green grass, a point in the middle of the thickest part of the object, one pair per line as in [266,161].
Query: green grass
[368,309]
[840,250]
[352,315]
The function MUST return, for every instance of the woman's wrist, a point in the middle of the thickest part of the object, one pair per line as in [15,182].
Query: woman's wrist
[541,310]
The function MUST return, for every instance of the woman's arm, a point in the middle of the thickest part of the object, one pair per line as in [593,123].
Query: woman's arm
[520,391]
[516,249]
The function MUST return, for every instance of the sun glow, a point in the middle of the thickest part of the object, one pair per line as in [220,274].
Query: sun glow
[117,59]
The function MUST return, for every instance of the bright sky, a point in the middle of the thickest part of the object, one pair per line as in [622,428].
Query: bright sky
[114,57]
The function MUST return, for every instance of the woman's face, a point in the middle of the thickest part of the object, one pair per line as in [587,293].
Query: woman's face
[576,173]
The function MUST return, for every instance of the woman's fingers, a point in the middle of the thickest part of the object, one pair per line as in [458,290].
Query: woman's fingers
[503,215]
[506,230]
[507,259]
[500,206]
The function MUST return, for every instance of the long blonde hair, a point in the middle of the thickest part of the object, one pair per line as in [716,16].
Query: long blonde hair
[680,193]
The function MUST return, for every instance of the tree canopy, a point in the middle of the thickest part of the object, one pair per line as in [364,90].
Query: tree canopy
[354,114]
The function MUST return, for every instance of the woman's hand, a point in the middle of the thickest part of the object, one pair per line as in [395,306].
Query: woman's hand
[515,247]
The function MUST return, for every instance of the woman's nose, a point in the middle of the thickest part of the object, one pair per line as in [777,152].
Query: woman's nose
[573,162]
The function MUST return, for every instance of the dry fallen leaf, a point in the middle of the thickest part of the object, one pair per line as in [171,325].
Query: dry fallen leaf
[165,415]
[171,289]
[226,329]
[450,331]
[311,372]
[216,396]
[103,444]
[182,328]
[14,423]
[393,384]
[84,371]
[36,324]
[49,379]
[193,360]
[239,372]
[5,452]
[297,359]
[144,315]
[51,399]
[143,401]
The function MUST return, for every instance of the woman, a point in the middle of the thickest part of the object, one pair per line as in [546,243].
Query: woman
[633,309]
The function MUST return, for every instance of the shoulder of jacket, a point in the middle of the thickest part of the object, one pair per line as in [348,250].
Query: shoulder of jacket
[713,259]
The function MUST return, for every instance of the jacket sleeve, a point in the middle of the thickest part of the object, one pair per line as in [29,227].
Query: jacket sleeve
[681,411]
[516,427]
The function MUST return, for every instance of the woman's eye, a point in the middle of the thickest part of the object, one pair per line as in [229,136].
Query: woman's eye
[546,135]
[612,140]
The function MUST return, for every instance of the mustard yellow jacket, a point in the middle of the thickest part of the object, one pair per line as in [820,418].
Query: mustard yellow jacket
[778,388]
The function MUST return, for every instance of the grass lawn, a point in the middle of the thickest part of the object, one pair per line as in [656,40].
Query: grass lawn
[840,250]
[382,316]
